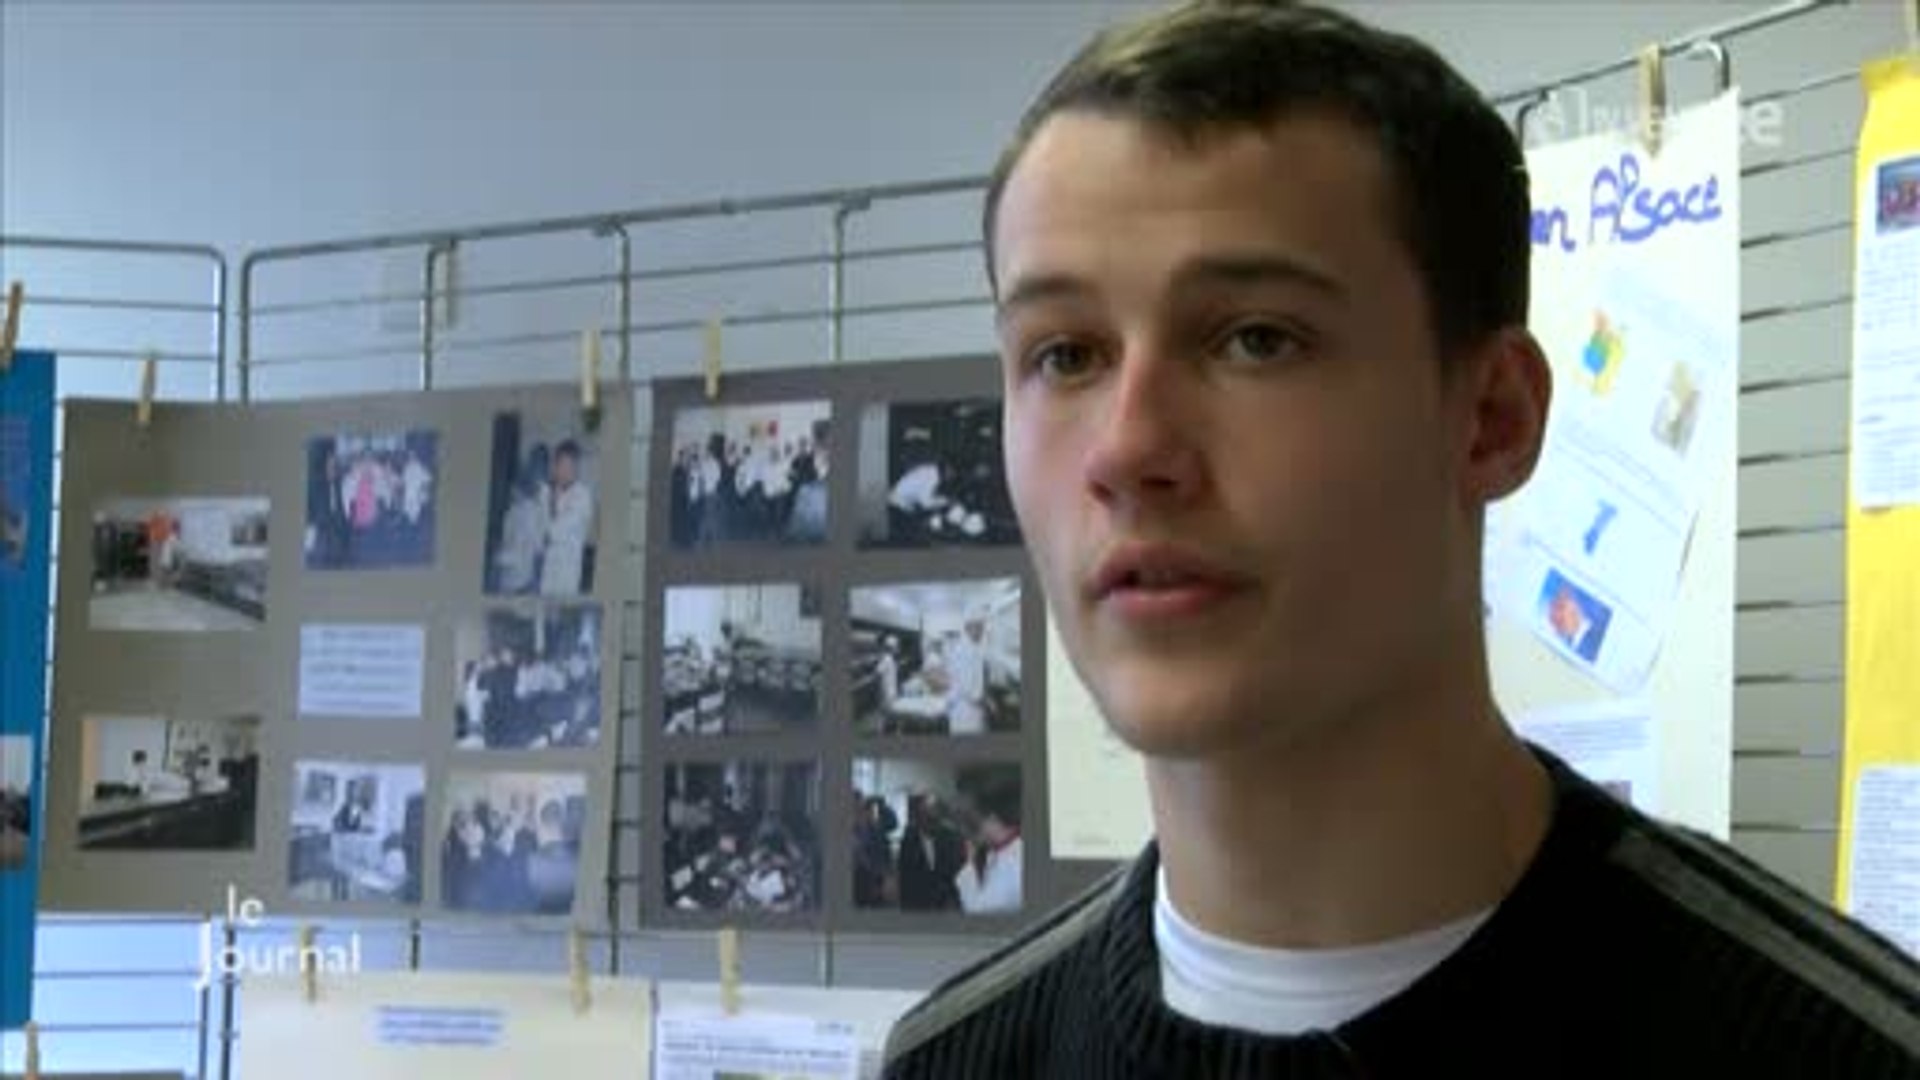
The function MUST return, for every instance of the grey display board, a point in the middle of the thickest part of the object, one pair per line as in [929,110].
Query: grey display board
[917,541]
[303,616]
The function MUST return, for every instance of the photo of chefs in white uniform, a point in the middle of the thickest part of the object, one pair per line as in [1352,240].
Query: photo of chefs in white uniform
[750,474]
[931,476]
[542,505]
[940,658]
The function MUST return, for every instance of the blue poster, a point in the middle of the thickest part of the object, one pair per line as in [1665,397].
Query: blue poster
[26,519]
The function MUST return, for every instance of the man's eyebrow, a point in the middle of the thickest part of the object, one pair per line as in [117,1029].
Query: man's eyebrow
[1258,269]
[1040,288]
[1231,269]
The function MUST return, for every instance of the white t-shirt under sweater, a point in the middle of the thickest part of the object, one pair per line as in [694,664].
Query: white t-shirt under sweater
[1288,991]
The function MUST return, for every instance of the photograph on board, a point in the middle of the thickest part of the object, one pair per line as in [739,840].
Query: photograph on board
[528,680]
[1576,618]
[1678,411]
[16,800]
[358,832]
[512,842]
[750,474]
[936,658]
[179,564]
[741,659]
[17,512]
[542,504]
[169,783]
[1899,195]
[937,837]
[931,475]
[743,836]
[370,500]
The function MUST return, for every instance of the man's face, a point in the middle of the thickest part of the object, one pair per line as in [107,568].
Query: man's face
[1565,615]
[563,471]
[1228,438]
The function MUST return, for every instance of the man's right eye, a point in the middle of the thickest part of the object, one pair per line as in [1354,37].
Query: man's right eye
[1061,360]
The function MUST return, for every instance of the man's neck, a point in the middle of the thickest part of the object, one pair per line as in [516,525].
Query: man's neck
[1364,832]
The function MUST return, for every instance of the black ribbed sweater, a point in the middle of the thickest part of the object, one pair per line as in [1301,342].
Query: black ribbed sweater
[1627,949]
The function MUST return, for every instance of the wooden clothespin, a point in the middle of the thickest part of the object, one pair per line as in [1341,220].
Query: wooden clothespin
[590,368]
[711,363]
[590,377]
[32,1035]
[578,974]
[10,335]
[729,971]
[1653,97]
[309,966]
[149,379]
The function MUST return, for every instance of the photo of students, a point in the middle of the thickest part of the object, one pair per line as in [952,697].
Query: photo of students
[358,832]
[1899,196]
[1576,618]
[931,475]
[16,800]
[741,659]
[370,500]
[937,658]
[743,836]
[750,474]
[512,842]
[159,783]
[541,516]
[179,564]
[529,682]
[930,837]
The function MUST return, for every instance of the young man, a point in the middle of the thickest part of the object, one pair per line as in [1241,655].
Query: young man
[1261,276]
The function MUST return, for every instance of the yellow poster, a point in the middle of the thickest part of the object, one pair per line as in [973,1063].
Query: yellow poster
[1878,877]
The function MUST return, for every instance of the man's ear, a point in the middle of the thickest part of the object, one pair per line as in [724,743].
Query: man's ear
[1507,386]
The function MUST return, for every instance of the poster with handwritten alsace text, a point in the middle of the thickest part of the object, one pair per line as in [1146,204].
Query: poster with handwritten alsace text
[1610,576]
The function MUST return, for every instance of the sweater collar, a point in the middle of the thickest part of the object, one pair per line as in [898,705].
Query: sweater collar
[1162,1042]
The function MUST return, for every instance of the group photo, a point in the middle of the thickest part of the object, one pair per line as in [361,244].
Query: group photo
[541,510]
[933,837]
[936,658]
[512,842]
[750,474]
[740,659]
[190,565]
[357,832]
[529,681]
[370,500]
[742,836]
[931,475]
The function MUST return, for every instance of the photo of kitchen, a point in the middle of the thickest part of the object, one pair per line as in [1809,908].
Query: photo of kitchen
[937,658]
[156,783]
[741,659]
[187,565]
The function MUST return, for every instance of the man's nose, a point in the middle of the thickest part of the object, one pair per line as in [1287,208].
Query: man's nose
[1146,444]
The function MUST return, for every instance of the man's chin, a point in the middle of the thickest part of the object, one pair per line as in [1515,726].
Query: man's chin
[1188,731]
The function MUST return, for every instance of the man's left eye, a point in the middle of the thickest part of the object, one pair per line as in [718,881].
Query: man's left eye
[1260,343]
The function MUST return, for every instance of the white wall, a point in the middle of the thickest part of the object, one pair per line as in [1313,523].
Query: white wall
[255,124]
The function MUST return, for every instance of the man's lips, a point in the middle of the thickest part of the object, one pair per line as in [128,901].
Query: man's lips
[1140,572]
